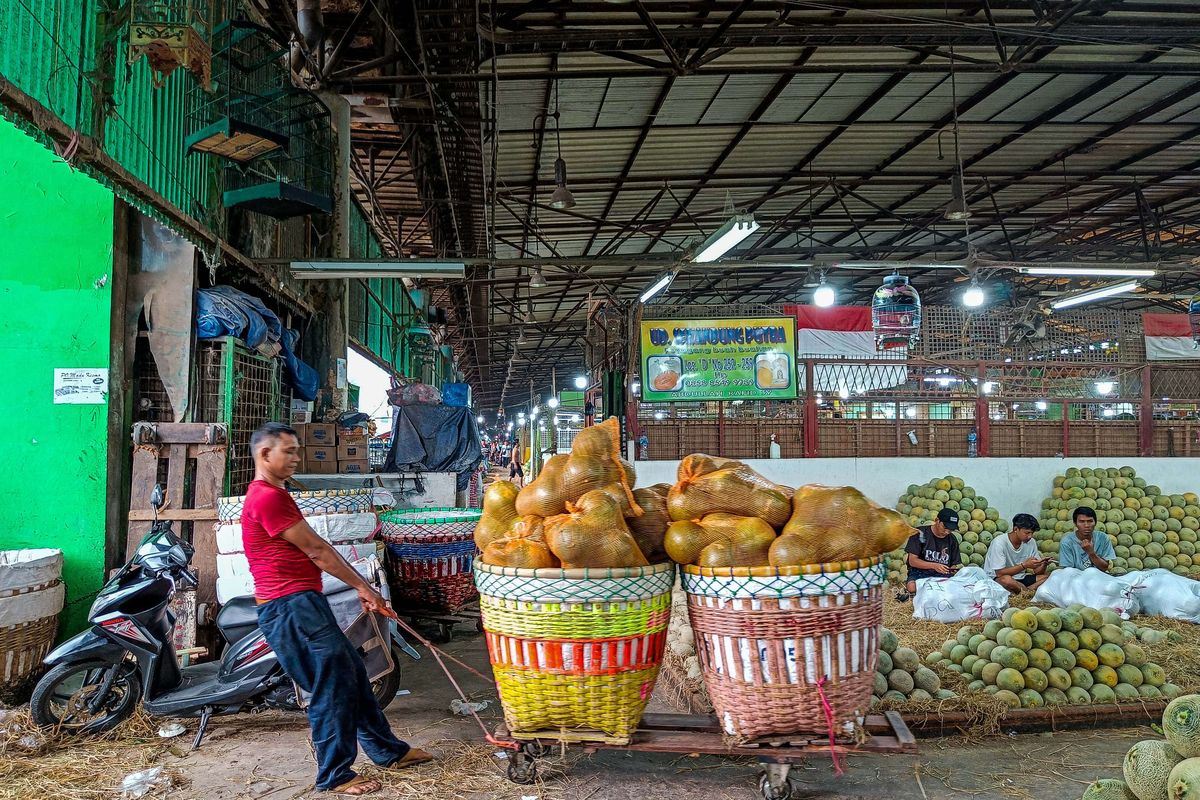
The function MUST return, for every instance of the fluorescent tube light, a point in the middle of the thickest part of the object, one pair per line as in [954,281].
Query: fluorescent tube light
[725,238]
[1098,272]
[402,268]
[1095,294]
[658,286]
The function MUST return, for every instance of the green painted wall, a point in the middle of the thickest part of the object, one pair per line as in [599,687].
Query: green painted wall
[55,311]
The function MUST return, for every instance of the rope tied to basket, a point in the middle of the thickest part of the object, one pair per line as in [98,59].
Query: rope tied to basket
[828,709]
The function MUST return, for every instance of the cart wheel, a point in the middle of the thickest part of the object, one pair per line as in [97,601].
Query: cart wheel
[522,770]
[782,791]
[535,749]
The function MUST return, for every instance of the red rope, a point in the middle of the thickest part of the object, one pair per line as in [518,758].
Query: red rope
[837,766]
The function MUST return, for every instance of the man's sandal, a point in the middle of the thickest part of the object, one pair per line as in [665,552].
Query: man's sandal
[357,787]
[413,757]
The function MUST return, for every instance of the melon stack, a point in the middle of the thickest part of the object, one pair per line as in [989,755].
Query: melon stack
[1148,529]
[1033,657]
[1158,768]
[900,676]
[978,522]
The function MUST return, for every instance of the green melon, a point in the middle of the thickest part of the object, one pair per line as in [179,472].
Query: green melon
[968,663]
[1008,614]
[1082,678]
[1170,691]
[1003,634]
[985,648]
[974,642]
[1010,679]
[1108,789]
[1128,673]
[978,667]
[907,659]
[1149,692]
[1031,699]
[928,680]
[920,694]
[1043,640]
[1013,658]
[1054,697]
[948,647]
[1184,781]
[991,689]
[1048,620]
[1111,655]
[1106,676]
[1125,692]
[1025,620]
[1078,696]
[1147,767]
[1067,641]
[990,672]
[1092,619]
[888,641]
[1135,655]
[950,665]
[1039,659]
[884,664]
[976,686]
[958,653]
[992,628]
[1062,657]
[1086,659]
[1088,640]
[1181,725]
[945,694]
[1058,678]
[934,657]
[1072,620]
[881,685]
[1102,693]
[1154,675]
[1113,634]
[1019,639]
[895,697]
[1035,679]
[964,635]
[1010,699]
[901,681]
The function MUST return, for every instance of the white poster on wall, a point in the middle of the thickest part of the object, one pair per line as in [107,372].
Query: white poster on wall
[81,386]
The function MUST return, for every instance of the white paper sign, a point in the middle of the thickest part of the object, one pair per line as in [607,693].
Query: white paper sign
[81,386]
[341,373]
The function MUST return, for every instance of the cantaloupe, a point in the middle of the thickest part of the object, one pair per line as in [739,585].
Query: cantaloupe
[1019,639]
[1092,619]
[1086,659]
[1072,620]
[1035,679]
[1108,789]
[1048,620]
[1039,659]
[1089,640]
[1125,693]
[881,685]
[896,697]
[1181,725]
[1102,693]
[1184,781]
[964,635]
[927,679]
[1012,658]
[1010,699]
[888,641]
[1078,696]
[1114,634]
[1025,620]
[1155,675]
[991,671]
[1066,640]
[884,664]
[907,659]
[1149,692]
[1062,658]
[985,648]
[901,681]
[1011,680]
[1170,690]
[1147,767]
[1058,678]
[993,626]
[958,653]
[1106,676]
[1135,655]
[1043,640]
[1031,699]
[1082,678]
[1054,697]
[1110,617]
[1128,673]
[1111,655]
[920,694]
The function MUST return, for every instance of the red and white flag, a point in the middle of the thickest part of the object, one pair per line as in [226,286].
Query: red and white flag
[1169,337]
[841,332]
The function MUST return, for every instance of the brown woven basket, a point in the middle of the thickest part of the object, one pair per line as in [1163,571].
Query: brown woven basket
[788,650]
[23,646]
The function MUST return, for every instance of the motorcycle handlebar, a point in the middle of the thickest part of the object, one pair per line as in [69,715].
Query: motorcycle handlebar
[189,578]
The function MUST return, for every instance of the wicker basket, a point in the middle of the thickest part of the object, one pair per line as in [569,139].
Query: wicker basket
[31,597]
[431,550]
[575,650]
[776,645]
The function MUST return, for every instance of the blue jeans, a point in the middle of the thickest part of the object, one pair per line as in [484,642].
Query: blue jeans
[314,653]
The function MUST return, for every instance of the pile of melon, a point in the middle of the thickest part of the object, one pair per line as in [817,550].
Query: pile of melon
[1153,768]
[900,676]
[1032,658]
[978,523]
[1148,529]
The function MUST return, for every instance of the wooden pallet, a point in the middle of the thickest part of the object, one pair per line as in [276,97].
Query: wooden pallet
[1030,720]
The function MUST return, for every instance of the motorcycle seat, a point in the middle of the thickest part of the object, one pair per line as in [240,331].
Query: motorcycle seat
[237,618]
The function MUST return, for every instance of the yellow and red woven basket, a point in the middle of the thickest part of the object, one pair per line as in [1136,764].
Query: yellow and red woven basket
[575,650]
[787,650]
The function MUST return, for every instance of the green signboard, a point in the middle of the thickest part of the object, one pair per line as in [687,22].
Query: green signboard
[718,359]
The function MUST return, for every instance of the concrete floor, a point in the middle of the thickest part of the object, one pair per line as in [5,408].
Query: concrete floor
[268,757]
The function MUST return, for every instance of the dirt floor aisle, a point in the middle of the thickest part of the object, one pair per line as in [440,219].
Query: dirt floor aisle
[269,757]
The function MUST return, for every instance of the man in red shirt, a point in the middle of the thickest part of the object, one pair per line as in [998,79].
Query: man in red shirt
[286,560]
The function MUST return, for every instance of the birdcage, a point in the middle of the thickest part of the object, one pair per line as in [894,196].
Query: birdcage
[1194,317]
[245,116]
[896,314]
[297,179]
[172,34]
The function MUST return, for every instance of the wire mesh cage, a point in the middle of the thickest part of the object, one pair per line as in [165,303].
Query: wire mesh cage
[896,314]
[245,116]
[172,34]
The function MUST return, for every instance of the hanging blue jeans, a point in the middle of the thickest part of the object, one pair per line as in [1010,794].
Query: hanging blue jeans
[343,712]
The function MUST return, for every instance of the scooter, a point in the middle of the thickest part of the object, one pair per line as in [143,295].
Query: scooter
[97,678]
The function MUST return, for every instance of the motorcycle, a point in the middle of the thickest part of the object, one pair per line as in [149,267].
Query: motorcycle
[128,655]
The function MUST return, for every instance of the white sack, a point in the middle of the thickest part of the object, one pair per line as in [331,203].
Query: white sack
[20,569]
[29,606]
[970,594]
[1091,588]
[233,564]
[1165,594]
[333,528]
[243,585]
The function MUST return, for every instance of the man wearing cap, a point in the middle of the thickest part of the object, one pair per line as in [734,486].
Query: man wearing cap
[932,552]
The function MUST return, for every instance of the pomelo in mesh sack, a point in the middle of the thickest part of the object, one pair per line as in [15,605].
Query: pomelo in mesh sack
[836,523]
[708,485]
[525,547]
[546,495]
[650,528]
[594,463]
[499,513]
[593,534]
[720,540]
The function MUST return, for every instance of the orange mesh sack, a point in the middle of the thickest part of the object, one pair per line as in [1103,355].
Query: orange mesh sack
[650,528]
[524,547]
[836,523]
[499,513]
[720,540]
[708,485]
[546,495]
[593,534]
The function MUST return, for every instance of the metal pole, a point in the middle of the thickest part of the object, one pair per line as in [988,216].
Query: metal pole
[1146,415]
[811,442]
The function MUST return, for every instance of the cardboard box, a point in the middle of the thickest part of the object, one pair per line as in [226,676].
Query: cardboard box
[352,452]
[319,455]
[319,434]
[299,418]
[358,466]
[350,433]
[346,436]
[321,467]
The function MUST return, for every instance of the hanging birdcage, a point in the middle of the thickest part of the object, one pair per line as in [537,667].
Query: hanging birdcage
[1194,317]
[172,34]
[245,116]
[896,313]
[296,179]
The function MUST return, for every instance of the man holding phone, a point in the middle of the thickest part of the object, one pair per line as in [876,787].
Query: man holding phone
[1013,560]
[932,552]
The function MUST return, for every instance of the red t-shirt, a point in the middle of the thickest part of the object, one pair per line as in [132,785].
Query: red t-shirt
[279,567]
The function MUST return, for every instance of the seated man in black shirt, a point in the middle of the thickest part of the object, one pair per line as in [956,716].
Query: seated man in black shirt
[932,551]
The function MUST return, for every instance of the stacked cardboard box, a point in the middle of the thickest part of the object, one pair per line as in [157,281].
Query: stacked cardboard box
[352,451]
[319,446]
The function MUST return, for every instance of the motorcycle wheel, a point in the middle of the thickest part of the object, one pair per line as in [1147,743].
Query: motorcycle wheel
[61,698]
[386,687]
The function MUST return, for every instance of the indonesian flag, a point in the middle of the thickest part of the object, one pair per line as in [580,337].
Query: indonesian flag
[838,332]
[1169,337]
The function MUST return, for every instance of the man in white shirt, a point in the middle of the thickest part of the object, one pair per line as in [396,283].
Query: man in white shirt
[1013,559]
